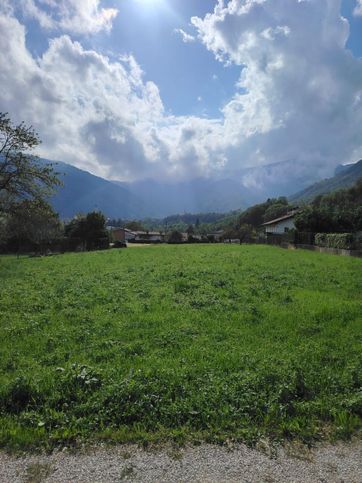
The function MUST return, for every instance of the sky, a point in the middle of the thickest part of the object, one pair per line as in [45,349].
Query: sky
[178,89]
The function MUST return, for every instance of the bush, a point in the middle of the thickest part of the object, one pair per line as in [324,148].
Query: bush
[320,240]
[119,244]
[100,243]
[342,241]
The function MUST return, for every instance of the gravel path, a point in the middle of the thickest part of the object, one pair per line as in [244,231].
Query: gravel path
[205,463]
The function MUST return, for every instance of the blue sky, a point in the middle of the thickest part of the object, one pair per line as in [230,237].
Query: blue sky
[355,38]
[115,89]
[190,79]
[184,72]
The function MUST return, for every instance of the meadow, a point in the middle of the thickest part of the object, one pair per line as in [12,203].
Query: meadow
[178,343]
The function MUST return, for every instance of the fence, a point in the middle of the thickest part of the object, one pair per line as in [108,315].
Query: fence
[310,241]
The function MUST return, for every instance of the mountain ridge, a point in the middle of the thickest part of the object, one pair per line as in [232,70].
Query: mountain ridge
[345,176]
[83,192]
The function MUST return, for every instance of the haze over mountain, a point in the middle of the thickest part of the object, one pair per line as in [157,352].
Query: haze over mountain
[83,192]
[345,176]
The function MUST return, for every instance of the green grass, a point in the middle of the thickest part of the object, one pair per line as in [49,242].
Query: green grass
[211,343]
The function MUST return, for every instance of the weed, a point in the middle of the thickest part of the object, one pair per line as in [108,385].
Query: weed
[37,472]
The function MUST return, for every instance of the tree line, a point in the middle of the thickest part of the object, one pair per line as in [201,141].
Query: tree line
[27,220]
[336,212]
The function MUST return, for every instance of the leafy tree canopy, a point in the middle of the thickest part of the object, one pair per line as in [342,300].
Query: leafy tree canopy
[33,221]
[90,229]
[134,226]
[337,212]
[262,212]
[22,176]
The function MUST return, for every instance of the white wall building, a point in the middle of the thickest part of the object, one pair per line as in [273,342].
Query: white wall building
[280,225]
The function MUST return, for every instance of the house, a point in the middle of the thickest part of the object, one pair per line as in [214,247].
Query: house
[125,235]
[121,234]
[216,235]
[185,237]
[129,235]
[148,237]
[280,225]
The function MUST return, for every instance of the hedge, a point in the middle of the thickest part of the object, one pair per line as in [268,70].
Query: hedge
[334,240]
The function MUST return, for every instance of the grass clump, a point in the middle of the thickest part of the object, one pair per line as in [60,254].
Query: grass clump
[209,343]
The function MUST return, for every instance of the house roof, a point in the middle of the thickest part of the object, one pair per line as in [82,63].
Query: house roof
[151,233]
[281,218]
[117,228]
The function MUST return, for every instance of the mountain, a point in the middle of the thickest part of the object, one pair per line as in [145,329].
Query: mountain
[196,196]
[277,179]
[83,192]
[248,187]
[345,176]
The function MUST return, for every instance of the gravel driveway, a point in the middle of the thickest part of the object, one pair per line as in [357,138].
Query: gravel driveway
[205,463]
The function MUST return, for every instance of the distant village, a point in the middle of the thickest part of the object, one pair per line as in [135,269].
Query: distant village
[124,235]
[278,226]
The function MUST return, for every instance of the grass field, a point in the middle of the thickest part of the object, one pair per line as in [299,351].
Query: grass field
[208,342]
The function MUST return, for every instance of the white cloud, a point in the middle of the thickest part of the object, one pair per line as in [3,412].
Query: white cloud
[299,97]
[301,90]
[74,16]
[96,113]
[186,38]
[358,8]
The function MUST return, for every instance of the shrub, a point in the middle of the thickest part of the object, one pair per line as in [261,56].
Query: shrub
[119,244]
[100,243]
[334,240]
[320,240]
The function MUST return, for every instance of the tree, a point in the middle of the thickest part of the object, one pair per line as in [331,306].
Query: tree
[90,229]
[275,211]
[33,222]
[190,230]
[258,214]
[311,219]
[96,232]
[134,226]
[3,228]
[230,234]
[22,176]
[246,233]
[336,212]
[175,237]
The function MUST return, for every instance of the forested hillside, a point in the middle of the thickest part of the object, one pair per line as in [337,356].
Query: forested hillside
[340,211]
[345,176]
